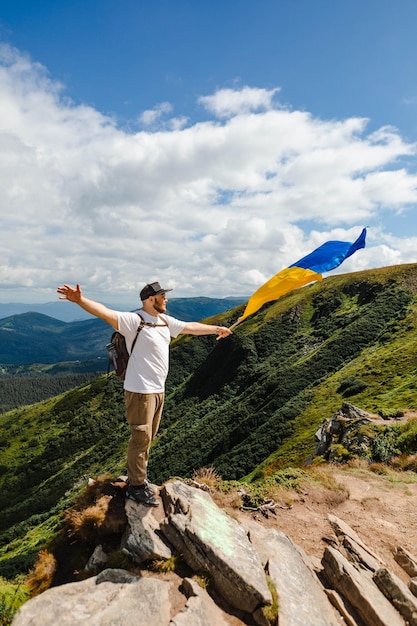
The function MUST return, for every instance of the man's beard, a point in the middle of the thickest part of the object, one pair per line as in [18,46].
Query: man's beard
[161,308]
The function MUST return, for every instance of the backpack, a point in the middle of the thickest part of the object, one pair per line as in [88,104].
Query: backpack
[117,350]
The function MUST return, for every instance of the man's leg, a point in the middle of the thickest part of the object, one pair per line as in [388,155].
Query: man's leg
[143,414]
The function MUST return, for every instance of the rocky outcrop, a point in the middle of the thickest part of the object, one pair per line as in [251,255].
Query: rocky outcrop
[287,565]
[212,542]
[367,591]
[359,590]
[254,575]
[340,427]
[141,539]
[398,594]
[118,599]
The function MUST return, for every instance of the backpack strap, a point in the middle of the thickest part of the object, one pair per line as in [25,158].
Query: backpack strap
[142,324]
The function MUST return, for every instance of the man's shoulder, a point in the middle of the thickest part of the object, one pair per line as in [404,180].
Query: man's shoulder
[171,319]
[175,325]
[136,315]
[130,318]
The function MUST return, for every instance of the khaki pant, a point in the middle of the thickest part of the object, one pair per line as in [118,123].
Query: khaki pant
[143,414]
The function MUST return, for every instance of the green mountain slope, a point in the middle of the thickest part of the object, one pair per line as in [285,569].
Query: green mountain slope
[245,398]
[47,449]
[247,405]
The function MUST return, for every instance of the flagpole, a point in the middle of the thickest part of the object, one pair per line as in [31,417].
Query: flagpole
[235,324]
[232,326]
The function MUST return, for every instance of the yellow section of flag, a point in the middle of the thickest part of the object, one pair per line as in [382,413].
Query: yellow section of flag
[285,281]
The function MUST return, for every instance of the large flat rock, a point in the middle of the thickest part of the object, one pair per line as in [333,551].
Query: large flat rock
[360,590]
[133,602]
[142,539]
[211,541]
[302,600]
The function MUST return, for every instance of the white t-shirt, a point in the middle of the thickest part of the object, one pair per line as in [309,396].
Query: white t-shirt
[148,364]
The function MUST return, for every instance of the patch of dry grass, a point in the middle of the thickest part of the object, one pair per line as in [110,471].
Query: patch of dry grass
[405,462]
[324,475]
[41,576]
[162,566]
[98,510]
[208,476]
[82,522]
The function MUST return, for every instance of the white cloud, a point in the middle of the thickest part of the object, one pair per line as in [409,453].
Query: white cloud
[229,102]
[156,118]
[148,118]
[212,208]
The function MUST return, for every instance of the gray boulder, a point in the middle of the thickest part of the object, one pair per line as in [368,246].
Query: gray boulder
[302,600]
[199,610]
[135,602]
[142,540]
[359,589]
[212,542]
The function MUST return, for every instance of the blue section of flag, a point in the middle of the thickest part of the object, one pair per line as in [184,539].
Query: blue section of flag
[330,255]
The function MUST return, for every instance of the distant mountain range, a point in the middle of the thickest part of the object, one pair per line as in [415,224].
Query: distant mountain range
[34,337]
[187,309]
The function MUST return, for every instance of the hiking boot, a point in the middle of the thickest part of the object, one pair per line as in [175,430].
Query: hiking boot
[149,485]
[141,495]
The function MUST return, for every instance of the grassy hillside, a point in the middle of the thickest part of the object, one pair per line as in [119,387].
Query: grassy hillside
[248,405]
[265,389]
[47,451]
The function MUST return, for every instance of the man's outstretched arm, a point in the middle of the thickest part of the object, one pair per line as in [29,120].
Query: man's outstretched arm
[94,308]
[197,328]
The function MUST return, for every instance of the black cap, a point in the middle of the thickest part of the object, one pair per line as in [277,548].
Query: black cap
[152,289]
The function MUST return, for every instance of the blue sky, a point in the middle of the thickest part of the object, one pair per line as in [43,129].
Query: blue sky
[204,144]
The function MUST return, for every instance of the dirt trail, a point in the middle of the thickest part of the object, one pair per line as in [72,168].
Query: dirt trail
[382,509]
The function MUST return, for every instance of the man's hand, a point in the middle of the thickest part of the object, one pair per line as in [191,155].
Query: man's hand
[69,293]
[223,331]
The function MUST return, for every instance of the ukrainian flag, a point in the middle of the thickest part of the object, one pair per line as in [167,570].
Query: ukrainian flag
[308,269]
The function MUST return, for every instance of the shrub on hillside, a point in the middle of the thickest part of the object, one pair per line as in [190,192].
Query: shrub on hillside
[351,386]
[384,446]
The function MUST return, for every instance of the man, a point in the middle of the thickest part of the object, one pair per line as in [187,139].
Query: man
[147,370]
